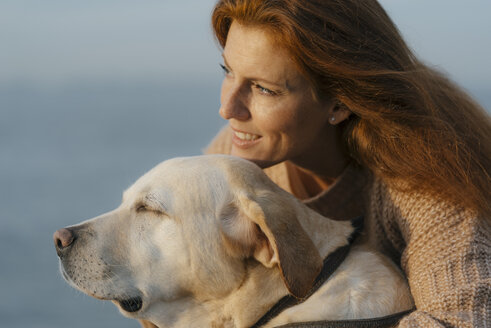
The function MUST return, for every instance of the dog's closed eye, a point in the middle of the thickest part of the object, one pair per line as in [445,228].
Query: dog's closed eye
[145,208]
[141,208]
[151,203]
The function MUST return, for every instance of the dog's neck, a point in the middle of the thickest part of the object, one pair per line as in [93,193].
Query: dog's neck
[260,290]
[263,287]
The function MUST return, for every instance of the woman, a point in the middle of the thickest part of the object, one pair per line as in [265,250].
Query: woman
[327,97]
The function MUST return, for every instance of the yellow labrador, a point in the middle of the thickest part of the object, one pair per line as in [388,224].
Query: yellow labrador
[210,241]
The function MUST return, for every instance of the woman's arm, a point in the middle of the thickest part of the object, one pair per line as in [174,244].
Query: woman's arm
[445,253]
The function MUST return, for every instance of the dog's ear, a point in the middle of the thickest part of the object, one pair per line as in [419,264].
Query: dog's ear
[265,227]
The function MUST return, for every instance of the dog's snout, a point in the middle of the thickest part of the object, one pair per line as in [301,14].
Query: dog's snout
[63,238]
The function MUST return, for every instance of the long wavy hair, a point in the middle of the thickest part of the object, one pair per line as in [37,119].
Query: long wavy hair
[410,124]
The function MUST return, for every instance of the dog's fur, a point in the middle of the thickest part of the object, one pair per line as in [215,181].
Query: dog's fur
[210,241]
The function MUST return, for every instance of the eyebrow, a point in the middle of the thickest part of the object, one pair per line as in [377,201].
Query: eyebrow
[255,79]
[153,201]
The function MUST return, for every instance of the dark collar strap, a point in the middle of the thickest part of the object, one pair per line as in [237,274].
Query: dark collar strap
[331,263]
[381,322]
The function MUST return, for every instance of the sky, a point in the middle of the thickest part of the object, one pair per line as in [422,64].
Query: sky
[52,42]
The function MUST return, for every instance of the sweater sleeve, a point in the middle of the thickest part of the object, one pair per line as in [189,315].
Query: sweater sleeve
[446,254]
[222,143]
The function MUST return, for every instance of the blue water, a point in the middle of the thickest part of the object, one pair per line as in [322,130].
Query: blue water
[66,154]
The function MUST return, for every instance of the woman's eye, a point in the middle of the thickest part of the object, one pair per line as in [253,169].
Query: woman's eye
[225,69]
[264,91]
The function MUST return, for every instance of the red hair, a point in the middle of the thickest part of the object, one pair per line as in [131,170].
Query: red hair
[410,124]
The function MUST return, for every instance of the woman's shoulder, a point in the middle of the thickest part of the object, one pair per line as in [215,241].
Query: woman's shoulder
[221,143]
[410,202]
[408,216]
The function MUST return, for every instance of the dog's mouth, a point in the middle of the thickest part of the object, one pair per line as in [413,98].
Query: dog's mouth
[129,305]
[132,304]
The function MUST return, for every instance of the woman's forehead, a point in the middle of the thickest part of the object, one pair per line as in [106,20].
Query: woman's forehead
[251,50]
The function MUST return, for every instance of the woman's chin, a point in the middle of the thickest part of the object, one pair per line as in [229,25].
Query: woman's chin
[264,163]
[261,161]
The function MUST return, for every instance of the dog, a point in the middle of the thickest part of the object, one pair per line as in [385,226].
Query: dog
[211,241]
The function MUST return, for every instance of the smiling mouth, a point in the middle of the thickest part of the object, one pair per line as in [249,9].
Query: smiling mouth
[246,136]
[132,304]
[245,140]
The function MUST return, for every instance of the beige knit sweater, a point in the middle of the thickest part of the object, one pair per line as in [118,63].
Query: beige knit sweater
[444,251]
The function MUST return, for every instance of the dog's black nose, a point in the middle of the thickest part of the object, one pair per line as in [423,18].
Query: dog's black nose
[63,238]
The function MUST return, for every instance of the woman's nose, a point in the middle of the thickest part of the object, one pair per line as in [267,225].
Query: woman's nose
[233,104]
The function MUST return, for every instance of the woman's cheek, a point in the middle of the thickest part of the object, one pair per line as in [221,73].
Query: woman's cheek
[276,115]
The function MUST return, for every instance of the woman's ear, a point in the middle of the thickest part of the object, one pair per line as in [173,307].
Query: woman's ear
[338,112]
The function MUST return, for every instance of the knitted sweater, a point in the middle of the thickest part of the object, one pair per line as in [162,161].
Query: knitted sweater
[445,251]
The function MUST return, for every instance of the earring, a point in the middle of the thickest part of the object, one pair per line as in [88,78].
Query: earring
[333,119]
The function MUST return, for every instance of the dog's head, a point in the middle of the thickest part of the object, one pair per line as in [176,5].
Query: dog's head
[185,233]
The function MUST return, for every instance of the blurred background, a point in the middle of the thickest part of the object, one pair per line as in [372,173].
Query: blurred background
[95,93]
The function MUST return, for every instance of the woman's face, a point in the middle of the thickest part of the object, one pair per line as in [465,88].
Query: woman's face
[269,104]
